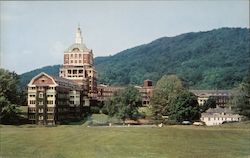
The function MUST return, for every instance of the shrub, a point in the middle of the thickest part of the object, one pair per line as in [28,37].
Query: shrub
[94,109]
[171,122]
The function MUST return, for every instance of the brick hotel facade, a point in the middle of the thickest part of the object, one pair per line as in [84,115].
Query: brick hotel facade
[52,100]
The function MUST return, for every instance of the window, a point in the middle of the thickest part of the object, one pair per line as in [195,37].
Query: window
[71,55]
[32,102]
[33,87]
[75,55]
[32,110]
[50,117]
[75,61]
[80,61]
[32,95]
[40,95]
[40,110]
[50,101]
[31,117]
[50,110]
[40,117]
[40,103]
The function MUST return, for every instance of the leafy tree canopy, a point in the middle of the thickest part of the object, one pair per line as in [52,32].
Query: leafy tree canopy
[170,98]
[184,107]
[10,97]
[165,92]
[241,100]
[210,103]
[124,104]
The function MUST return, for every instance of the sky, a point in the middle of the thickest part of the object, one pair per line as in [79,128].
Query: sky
[35,34]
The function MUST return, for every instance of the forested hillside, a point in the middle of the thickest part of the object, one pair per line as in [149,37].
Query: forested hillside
[217,59]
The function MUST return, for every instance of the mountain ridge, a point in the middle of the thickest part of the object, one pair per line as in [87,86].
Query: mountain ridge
[215,59]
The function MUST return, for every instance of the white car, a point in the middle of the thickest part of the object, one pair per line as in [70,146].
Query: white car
[186,123]
[198,123]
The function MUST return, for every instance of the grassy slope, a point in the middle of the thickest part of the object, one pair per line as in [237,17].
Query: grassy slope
[80,141]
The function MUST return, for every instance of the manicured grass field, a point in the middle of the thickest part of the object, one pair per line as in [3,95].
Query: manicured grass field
[73,141]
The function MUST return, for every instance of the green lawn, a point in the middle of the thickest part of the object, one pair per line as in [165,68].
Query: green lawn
[72,141]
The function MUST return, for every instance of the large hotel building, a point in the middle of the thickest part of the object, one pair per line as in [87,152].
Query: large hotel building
[52,100]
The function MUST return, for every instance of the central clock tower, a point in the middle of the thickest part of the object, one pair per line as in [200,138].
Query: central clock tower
[78,66]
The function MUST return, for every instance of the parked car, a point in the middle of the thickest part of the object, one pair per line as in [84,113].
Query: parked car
[198,123]
[186,123]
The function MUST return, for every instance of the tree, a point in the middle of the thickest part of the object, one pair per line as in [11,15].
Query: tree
[124,104]
[184,107]
[9,112]
[210,103]
[165,92]
[10,97]
[172,99]
[241,100]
